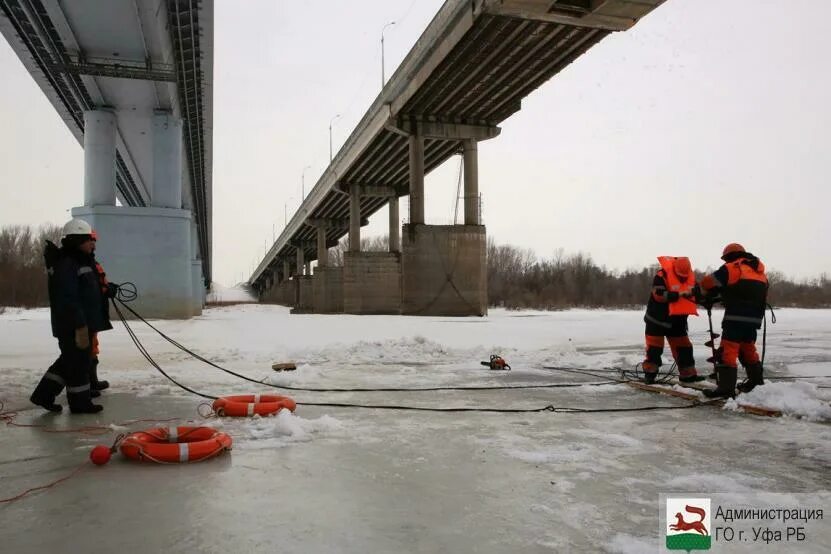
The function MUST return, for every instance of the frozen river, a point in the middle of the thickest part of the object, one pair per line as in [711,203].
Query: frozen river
[339,479]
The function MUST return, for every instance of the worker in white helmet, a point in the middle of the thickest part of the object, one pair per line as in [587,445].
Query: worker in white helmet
[78,309]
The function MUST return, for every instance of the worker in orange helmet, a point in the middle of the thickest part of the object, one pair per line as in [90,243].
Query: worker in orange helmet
[109,290]
[742,286]
[671,302]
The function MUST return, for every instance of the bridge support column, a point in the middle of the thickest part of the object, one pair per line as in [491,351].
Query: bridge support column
[286,270]
[307,268]
[416,179]
[300,261]
[395,226]
[197,282]
[355,219]
[99,157]
[167,161]
[471,165]
[322,250]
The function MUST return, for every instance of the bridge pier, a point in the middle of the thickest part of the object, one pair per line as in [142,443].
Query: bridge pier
[100,128]
[395,225]
[371,281]
[155,247]
[444,267]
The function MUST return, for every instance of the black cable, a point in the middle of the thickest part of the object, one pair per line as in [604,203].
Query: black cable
[150,359]
[126,292]
[660,378]
[549,408]
[304,389]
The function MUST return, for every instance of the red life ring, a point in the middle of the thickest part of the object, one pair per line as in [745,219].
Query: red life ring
[249,404]
[175,444]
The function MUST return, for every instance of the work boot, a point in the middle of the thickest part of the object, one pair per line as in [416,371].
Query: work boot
[649,378]
[689,375]
[93,378]
[48,389]
[754,377]
[87,408]
[726,388]
[80,402]
[94,393]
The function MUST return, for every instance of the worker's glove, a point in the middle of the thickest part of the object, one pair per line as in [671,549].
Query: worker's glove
[112,290]
[82,338]
[672,296]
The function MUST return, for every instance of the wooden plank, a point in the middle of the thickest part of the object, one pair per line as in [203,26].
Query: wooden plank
[283,366]
[749,408]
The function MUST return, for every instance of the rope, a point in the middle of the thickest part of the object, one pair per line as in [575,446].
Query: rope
[74,472]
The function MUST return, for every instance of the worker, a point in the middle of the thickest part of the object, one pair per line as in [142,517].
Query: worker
[742,286]
[77,311]
[671,302]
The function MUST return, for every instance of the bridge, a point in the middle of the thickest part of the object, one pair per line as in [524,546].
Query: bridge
[132,80]
[468,72]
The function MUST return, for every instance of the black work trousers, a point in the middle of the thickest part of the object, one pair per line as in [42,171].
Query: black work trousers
[70,370]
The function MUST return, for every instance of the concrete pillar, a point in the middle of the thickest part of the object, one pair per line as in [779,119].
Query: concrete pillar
[167,161]
[354,220]
[416,179]
[286,270]
[471,165]
[300,260]
[395,226]
[322,251]
[99,158]
[307,268]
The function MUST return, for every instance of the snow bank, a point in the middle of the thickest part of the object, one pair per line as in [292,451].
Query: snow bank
[280,430]
[800,399]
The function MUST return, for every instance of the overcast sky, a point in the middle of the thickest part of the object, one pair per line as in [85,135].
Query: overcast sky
[709,122]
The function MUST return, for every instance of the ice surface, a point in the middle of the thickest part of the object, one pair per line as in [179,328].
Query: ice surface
[329,479]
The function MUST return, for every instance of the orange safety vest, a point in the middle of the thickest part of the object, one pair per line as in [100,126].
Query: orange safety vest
[102,277]
[683,306]
[740,270]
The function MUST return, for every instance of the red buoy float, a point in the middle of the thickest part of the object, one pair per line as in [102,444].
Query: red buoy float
[173,445]
[250,404]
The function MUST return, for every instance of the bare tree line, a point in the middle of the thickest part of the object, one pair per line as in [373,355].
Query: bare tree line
[517,279]
[22,271]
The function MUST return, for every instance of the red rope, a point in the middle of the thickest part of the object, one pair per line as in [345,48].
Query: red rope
[43,487]
[9,416]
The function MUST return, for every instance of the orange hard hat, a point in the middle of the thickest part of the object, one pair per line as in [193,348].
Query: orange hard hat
[682,266]
[94,235]
[731,248]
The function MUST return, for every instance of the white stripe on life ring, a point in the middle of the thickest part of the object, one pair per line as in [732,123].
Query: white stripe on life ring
[183,452]
[251,409]
[256,398]
[172,434]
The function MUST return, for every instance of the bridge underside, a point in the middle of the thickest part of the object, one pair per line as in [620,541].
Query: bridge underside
[467,73]
[133,83]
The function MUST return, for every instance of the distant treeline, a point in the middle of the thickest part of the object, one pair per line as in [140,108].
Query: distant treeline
[517,279]
[22,273]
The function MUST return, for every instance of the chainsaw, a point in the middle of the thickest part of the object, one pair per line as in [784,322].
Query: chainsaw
[497,363]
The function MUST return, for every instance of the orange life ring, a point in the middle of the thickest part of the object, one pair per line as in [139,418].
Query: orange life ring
[250,404]
[175,444]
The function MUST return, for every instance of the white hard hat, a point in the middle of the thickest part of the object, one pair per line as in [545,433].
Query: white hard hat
[76,227]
